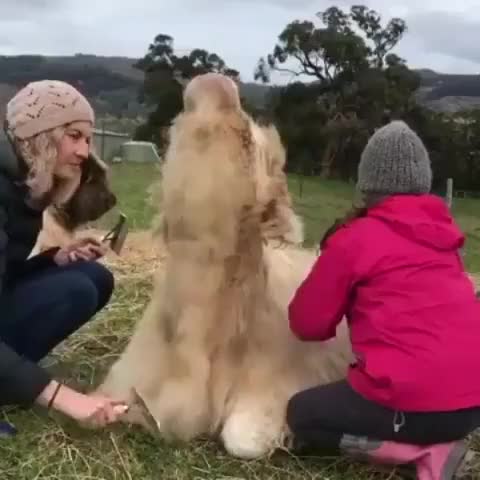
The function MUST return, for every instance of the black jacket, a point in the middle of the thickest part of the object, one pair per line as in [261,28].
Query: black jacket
[21,381]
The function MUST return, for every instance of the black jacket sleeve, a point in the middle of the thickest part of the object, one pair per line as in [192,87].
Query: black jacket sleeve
[21,381]
[37,262]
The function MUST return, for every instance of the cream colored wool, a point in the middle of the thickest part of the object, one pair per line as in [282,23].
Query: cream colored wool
[213,353]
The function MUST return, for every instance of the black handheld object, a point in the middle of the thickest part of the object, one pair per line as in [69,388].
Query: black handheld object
[117,235]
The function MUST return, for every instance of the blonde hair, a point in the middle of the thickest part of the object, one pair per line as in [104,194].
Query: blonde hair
[40,156]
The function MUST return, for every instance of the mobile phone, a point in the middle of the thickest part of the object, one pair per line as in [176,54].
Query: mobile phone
[117,235]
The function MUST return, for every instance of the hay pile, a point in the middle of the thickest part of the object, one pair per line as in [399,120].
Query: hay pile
[140,257]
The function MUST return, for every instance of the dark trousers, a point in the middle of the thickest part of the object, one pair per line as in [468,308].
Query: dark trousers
[319,417]
[41,310]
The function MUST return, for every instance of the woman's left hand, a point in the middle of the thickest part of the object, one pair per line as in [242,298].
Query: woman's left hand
[87,248]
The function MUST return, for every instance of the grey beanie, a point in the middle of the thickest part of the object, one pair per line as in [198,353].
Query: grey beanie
[395,160]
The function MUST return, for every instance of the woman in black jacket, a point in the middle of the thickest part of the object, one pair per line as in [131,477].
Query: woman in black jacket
[46,298]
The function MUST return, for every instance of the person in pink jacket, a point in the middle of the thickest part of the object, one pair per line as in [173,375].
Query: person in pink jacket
[393,269]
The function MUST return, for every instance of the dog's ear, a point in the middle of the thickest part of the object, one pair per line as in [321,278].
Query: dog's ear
[95,160]
[93,197]
[93,169]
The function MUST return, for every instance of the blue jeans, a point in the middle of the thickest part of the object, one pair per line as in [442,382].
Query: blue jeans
[42,309]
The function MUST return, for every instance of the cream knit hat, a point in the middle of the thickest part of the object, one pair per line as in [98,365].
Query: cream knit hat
[44,105]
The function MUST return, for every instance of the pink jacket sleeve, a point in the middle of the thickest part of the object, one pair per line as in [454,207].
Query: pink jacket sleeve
[321,301]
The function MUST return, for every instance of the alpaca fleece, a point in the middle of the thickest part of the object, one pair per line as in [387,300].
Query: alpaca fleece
[213,353]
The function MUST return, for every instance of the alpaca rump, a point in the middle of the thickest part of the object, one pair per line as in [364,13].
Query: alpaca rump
[88,202]
[213,353]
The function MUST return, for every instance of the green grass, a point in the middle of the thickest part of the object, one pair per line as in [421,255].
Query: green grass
[53,448]
[321,202]
[467,214]
[131,184]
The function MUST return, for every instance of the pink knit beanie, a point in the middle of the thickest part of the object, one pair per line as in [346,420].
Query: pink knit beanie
[44,105]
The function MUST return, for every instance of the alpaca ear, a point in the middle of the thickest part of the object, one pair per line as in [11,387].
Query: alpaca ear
[278,221]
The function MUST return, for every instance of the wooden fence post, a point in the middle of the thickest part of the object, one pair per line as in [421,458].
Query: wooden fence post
[449,192]
[449,203]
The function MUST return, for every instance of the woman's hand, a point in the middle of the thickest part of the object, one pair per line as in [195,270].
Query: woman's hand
[89,410]
[87,248]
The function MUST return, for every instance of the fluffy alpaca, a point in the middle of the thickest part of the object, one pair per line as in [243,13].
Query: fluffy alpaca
[91,200]
[213,353]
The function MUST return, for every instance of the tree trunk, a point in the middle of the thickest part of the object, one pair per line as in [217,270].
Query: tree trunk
[328,158]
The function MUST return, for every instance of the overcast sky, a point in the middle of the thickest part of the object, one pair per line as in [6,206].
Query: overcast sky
[443,34]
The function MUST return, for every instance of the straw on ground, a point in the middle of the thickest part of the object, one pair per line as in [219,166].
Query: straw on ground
[54,448]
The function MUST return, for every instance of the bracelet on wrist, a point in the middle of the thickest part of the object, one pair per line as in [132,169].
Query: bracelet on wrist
[54,396]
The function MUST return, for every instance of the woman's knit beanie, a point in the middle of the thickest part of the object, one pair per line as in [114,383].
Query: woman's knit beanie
[43,105]
[395,160]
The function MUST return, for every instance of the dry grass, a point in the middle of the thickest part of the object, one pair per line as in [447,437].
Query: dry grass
[57,449]
[53,448]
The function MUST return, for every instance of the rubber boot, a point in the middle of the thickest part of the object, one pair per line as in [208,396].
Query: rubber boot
[7,430]
[443,461]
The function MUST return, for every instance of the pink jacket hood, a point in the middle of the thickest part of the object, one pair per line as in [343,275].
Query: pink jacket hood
[422,219]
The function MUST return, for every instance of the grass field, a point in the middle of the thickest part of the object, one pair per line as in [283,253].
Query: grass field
[322,201]
[53,448]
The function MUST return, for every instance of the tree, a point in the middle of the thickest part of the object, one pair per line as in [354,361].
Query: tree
[165,75]
[298,120]
[356,78]
[334,49]
[383,39]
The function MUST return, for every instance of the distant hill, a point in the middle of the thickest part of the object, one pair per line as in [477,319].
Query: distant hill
[449,92]
[112,84]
